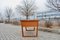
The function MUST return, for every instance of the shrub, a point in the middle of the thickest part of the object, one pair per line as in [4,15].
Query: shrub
[1,21]
[7,22]
[48,24]
[15,22]
[59,23]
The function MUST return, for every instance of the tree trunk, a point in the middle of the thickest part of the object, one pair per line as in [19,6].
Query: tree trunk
[27,17]
[8,20]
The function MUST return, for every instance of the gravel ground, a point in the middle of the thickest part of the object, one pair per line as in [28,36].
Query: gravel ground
[11,32]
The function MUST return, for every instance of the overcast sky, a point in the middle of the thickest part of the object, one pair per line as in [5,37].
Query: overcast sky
[12,3]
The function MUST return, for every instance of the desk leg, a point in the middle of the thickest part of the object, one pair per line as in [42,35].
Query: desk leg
[30,36]
[22,32]
[36,31]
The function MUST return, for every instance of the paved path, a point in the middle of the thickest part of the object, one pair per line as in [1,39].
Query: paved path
[11,32]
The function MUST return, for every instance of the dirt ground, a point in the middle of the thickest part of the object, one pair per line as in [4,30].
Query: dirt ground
[12,32]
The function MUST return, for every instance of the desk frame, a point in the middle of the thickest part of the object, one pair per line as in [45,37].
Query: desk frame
[29,25]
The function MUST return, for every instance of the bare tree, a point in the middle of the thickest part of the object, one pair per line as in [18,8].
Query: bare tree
[1,17]
[8,13]
[54,4]
[27,9]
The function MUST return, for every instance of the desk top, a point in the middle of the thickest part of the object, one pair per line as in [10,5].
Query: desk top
[29,23]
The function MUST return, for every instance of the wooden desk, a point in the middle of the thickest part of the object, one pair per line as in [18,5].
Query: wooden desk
[29,23]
